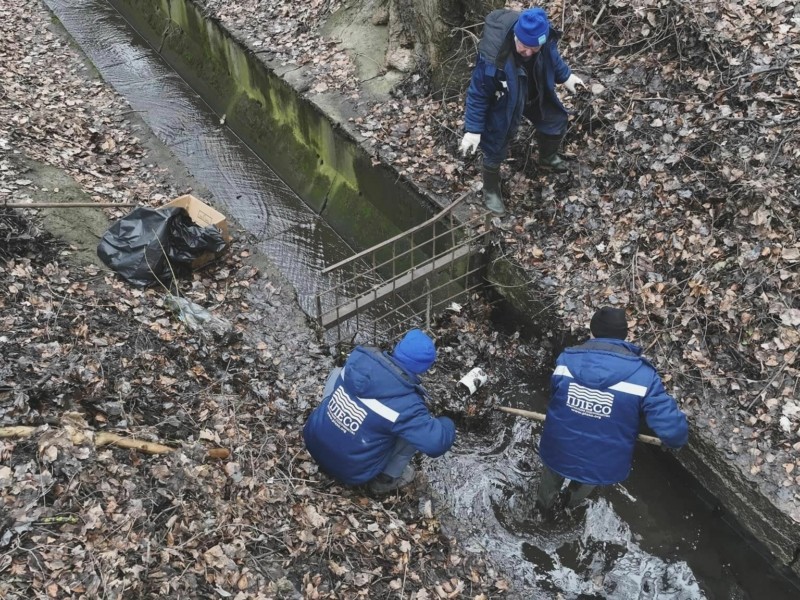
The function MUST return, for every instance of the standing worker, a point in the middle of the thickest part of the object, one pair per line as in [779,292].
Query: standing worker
[599,391]
[516,72]
[373,417]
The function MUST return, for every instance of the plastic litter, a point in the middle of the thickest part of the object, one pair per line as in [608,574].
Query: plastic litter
[197,318]
[149,246]
[473,380]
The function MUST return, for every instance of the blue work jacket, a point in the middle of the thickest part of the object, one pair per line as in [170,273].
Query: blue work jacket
[374,401]
[599,392]
[497,95]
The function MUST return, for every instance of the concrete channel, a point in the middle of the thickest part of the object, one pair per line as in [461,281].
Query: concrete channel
[308,193]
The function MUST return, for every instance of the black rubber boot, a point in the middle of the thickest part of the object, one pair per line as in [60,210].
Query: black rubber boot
[492,197]
[548,152]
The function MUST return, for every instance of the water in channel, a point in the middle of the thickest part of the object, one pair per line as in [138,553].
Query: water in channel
[656,536]
[284,228]
[652,538]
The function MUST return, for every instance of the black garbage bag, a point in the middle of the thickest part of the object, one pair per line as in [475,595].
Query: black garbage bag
[150,246]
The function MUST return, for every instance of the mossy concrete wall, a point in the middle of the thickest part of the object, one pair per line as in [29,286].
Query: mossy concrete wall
[748,505]
[324,164]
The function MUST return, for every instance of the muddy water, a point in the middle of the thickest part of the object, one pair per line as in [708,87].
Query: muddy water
[653,538]
[656,536]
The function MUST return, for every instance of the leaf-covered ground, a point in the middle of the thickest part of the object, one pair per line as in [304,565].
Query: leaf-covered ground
[682,203]
[237,509]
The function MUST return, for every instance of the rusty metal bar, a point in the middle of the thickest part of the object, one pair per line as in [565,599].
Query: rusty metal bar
[365,291]
[349,308]
[399,236]
[402,254]
[393,261]
[68,204]
[455,253]
[407,304]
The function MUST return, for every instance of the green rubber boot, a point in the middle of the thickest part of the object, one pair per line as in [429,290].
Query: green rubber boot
[492,197]
[548,152]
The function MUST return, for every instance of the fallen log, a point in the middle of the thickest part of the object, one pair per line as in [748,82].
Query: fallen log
[536,416]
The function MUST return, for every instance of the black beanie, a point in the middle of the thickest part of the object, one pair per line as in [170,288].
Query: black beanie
[609,322]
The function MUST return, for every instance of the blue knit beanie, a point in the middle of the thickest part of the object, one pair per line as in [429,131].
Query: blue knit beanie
[532,27]
[415,352]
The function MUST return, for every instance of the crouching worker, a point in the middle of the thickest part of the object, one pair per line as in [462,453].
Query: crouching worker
[599,391]
[373,417]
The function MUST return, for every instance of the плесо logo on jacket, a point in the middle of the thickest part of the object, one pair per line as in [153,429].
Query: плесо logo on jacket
[345,413]
[589,402]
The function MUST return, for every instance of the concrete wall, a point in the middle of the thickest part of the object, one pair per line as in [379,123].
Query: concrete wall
[310,150]
[747,504]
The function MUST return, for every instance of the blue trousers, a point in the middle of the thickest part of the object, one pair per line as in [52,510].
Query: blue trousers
[556,125]
[401,455]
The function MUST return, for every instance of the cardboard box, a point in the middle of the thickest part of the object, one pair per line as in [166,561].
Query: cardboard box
[202,214]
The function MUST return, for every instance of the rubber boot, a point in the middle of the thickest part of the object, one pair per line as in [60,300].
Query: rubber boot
[548,152]
[492,197]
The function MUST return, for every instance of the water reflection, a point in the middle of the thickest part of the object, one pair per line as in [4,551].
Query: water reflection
[298,241]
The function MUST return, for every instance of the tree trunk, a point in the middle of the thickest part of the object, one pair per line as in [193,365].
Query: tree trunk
[446,34]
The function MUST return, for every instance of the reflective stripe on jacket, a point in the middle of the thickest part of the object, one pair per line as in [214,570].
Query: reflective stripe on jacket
[598,397]
[373,402]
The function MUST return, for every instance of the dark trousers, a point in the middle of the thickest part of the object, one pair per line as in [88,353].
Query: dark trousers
[550,485]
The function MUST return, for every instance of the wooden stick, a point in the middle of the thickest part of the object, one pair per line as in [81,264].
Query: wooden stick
[536,416]
[599,14]
[105,438]
[66,205]
[17,431]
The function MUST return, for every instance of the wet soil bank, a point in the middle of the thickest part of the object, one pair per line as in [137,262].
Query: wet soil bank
[705,458]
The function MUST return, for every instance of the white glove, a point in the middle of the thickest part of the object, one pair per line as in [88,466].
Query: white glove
[469,144]
[572,81]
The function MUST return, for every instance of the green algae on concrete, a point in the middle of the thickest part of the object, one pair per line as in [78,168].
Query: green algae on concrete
[323,164]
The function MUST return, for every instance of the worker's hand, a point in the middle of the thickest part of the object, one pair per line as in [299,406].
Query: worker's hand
[469,143]
[572,82]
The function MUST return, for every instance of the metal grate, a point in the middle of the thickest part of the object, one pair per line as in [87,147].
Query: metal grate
[378,294]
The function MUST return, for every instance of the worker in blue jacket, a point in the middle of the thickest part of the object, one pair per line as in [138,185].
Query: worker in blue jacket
[373,417]
[599,392]
[516,72]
